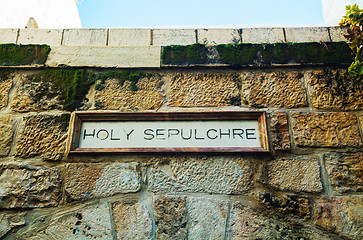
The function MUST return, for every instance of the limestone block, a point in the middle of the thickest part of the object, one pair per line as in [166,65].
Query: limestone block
[40,36]
[86,181]
[207,218]
[298,174]
[340,215]
[345,171]
[219,175]
[24,186]
[276,89]
[335,89]
[166,37]
[132,221]
[85,37]
[334,129]
[6,135]
[43,135]
[8,35]
[5,86]
[114,96]
[307,34]
[170,217]
[218,36]
[337,34]
[263,35]
[129,37]
[280,136]
[93,222]
[112,57]
[204,89]
[10,221]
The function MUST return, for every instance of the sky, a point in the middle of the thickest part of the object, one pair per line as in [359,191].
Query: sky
[201,13]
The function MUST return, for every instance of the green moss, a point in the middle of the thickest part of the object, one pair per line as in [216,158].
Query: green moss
[17,55]
[122,77]
[71,86]
[184,55]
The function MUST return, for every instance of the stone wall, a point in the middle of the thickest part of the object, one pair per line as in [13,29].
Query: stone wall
[308,187]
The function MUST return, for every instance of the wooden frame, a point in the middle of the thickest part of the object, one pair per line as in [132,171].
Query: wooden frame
[79,117]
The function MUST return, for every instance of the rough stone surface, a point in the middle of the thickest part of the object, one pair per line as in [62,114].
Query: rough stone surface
[22,186]
[5,86]
[336,89]
[111,57]
[220,175]
[165,37]
[40,36]
[276,89]
[263,35]
[218,36]
[44,135]
[337,34]
[114,96]
[307,34]
[335,129]
[93,222]
[8,35]
[341,215]
[170,217]
[9,222]
[85,181]
[129,37]
[132,220]
[84,37]
[210,89]
[33,95]
[300,174]
[207,218]
[6,135]
[345,171]
[280,136]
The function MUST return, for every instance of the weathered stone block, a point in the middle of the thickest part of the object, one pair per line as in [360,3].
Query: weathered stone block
[335,89]
[299,174]
[5,86]
[44,135]
[170,217]
[165,37]
[10,221]
[207,218]
[280,136]
[275,89]
[345,171]
[210,89]
[335,129]
[218,36]
[337,34]
[116,96]
[132,221]
[129,37]
[307,34]
[111,57]
[40,36]
[341,215]
[22,186]
[84,37]
[85,181]
[92,222]
[220,175]
[6,135]
[263,35]
[8,35]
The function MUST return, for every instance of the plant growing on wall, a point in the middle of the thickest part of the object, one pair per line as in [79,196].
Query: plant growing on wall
[353,20]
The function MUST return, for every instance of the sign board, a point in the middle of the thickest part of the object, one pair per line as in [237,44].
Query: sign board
[169,132]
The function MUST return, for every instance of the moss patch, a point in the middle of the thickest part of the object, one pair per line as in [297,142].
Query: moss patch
[122,77]
[17,55]
[184,55]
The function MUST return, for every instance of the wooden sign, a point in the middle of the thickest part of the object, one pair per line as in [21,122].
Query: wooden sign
[169,132]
